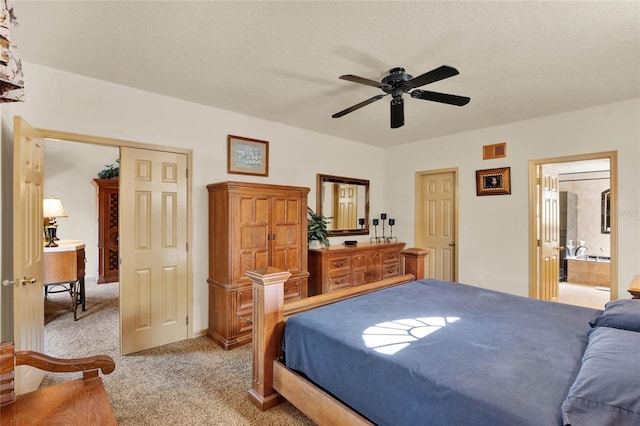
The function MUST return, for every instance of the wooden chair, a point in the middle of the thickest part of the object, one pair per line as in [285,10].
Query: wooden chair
[82,401]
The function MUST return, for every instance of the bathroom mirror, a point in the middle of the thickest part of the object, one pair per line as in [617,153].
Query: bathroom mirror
[605,212]
[346,201]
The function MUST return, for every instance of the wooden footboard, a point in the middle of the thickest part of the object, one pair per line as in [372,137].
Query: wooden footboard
[269,317]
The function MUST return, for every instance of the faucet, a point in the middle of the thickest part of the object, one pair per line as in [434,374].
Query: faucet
[586,249]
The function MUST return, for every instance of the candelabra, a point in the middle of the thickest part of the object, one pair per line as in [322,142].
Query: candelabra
[383,238]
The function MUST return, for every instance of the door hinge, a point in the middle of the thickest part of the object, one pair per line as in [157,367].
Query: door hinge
[187,320]
[539,243]
[187,246]
[186,172]
[538,181]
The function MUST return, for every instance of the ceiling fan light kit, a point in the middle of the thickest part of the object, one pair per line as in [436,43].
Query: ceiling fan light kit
[399,82]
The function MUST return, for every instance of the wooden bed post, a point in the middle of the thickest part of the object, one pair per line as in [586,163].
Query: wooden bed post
[414,262]
[268,305]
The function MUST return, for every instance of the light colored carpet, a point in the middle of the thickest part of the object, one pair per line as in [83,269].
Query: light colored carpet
[194,382]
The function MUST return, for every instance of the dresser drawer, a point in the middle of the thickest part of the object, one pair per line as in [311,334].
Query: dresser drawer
[244,299]
[245,322]
[337,281]
[339,263]
[391,270]
[291,290]
[391,257]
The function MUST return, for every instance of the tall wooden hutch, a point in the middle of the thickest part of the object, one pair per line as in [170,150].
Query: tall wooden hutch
[108,255]
[252,226]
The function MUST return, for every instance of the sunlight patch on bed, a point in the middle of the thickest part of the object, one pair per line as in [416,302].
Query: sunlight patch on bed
[389,337]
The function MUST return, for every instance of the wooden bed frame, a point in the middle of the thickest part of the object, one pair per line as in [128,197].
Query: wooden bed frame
[273,382]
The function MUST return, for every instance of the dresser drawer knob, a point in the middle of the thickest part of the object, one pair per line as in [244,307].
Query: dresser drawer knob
[249,321]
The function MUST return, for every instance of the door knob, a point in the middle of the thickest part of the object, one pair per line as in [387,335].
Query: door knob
[7,283]
[452,244]
[26,281]
[559,248]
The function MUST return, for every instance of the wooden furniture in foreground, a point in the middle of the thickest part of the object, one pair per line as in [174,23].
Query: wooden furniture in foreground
[634,287]
[64,267]
[252,226]
[272,381]
[108,255]
[82,401]
[337,267]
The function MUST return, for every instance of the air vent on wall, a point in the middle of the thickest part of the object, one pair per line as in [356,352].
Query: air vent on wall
[498,150]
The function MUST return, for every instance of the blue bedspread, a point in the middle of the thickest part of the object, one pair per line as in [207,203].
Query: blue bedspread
[439,353]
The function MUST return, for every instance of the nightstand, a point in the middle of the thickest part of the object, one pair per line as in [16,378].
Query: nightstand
[64,268]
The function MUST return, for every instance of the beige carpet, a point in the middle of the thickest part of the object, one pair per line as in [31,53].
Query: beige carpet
[193,382]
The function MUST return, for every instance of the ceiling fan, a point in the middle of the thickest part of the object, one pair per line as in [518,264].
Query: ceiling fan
[399,82]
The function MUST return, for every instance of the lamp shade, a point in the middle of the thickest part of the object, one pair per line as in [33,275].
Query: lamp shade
[52,207]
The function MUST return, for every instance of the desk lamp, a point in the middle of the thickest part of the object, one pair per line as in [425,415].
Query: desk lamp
[52,209]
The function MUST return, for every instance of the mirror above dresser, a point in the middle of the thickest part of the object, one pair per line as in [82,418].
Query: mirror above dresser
[346,201]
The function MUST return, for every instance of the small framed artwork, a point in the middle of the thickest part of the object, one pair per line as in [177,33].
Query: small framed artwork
[493,181]
[247,156]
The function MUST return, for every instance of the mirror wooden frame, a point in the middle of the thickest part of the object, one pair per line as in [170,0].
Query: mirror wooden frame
[321,180]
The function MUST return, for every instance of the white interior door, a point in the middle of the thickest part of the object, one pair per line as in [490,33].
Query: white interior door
[28,296]
[153,248]
[549,233]
[436,223]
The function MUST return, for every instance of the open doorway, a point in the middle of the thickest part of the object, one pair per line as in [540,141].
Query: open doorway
[71,174]
[573,236]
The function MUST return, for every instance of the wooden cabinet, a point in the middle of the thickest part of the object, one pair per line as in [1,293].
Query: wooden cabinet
[252,226]
[338,267]
[108,256]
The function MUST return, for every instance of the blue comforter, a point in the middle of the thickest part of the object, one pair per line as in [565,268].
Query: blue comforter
[439,353]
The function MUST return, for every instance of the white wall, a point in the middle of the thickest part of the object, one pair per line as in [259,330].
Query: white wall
[67,102]
[494,230]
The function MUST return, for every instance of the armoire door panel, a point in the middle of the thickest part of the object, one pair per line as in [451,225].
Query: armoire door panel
[287,235]
[254,237]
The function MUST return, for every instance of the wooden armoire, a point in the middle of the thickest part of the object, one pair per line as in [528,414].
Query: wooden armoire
[108,256]
[252,226]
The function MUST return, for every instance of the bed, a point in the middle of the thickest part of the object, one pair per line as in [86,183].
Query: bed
[440,353]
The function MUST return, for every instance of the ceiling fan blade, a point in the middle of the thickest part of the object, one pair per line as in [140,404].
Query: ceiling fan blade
[440,97]
[434,75]
[397,113]
[362,80]
[357,106]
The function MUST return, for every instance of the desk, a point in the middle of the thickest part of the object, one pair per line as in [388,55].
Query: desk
[64,266]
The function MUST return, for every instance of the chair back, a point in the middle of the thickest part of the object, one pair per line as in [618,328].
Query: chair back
[7,367]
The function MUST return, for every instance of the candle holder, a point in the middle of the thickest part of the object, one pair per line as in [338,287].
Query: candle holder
[361,222]
[391,238]
[375,239]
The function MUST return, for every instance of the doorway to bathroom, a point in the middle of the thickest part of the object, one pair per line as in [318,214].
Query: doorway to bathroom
[573,235]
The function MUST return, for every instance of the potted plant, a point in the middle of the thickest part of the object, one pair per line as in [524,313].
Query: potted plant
[110,171]
[317,229]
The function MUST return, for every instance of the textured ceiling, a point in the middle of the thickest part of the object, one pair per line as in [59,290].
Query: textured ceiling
[280,61]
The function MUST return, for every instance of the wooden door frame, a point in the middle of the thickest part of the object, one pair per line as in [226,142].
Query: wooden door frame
[118,143]
[534,284]
[418,200]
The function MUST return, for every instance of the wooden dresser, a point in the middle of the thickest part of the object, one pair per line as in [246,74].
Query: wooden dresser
[338,267]
[252,226]
[108,257]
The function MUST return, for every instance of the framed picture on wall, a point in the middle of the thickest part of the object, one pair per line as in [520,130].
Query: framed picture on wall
[493,181]
[246,156]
